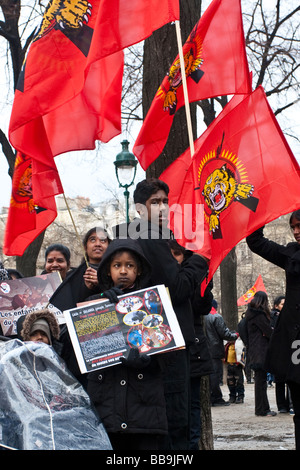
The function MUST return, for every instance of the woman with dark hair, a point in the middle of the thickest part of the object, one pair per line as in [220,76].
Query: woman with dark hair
[259,333]
[283,356]
[57,259]
[81,283]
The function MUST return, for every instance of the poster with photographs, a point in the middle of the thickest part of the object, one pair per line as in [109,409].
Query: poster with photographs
[21,296]
[101,332]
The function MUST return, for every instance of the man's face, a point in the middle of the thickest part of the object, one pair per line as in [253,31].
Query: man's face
[156,209]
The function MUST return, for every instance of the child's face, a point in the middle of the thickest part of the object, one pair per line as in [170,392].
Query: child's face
[124,269]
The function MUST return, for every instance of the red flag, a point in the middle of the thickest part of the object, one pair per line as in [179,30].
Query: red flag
[65,93]
[124,23]
[215,64]
[248,296]
[239,179]
[32,206]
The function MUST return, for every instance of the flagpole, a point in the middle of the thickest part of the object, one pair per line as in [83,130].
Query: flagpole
[185,90]
[76,231]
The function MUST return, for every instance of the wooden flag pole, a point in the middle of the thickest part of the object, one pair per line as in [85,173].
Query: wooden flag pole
[185,90]
[75,228]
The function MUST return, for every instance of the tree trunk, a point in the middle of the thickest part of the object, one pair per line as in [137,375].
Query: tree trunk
[161,49]
[207,438]
[228,290]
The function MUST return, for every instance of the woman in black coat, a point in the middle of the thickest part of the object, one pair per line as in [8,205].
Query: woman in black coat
[283,357]
[259,332]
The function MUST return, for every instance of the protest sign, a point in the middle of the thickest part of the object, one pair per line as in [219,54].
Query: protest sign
[102,332]
[21,296]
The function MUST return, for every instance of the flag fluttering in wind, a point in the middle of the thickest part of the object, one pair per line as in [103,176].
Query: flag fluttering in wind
[239,179]
[124,23]
[248,296]
[69,95]
[65,93]
[32,206]
[215,64]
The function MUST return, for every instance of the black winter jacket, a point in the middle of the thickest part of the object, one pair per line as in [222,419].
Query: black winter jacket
[71,291]
[127,399]
[200,356]
[217,332]
[182,280]
[283,352]
[259,332]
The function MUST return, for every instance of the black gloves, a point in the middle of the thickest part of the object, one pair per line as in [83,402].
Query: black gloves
[112,294]
[134,359]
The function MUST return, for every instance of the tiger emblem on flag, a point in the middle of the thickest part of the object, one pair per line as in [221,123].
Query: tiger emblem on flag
[223,180]
[68,14]
[220,189]
[192,55]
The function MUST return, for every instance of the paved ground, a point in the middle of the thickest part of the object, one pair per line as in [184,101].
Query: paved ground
[235,427]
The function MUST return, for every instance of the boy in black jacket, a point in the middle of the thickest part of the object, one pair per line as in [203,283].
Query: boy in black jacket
[151,200]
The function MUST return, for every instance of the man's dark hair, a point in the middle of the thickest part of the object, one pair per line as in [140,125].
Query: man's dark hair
[278,299]
[144,189]
[296,215]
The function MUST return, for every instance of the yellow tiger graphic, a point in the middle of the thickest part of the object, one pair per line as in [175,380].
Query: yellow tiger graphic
[220,189]
[70,14]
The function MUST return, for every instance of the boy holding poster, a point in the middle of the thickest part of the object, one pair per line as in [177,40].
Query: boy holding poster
[129,398]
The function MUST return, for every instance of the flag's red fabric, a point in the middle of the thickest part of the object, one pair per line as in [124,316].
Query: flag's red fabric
[65,94]
[32,206]
[124,22]
[241,177]
[215,64]
[257,286]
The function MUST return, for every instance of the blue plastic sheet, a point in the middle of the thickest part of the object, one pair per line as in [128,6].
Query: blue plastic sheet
[42,406]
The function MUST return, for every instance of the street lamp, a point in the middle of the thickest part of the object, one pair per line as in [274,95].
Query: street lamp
[125,171]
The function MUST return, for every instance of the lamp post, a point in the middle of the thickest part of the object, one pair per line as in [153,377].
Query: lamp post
[125,165]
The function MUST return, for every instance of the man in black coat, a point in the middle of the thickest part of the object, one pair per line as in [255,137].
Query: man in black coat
[151,199]
[283,356]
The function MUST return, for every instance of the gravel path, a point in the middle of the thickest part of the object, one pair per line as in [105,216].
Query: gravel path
[235,427]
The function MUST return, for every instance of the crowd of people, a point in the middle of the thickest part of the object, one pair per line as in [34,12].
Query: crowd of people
[153,402]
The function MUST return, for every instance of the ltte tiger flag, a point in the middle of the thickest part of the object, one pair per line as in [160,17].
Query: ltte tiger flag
[69,91]
[32,205]
[215,64]
[239,179]
[65,94]
[248,296]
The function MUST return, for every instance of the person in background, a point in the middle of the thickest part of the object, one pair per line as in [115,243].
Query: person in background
[282,393]
[57,259]
[259,334]
[200,358]
[283,351]
[235,360]
[14,274]
[81,283]
[39,326]
[216,332]
[277,307]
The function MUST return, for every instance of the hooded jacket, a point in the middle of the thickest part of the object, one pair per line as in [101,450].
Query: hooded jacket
[104,279]
[32,317]
[128,400]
